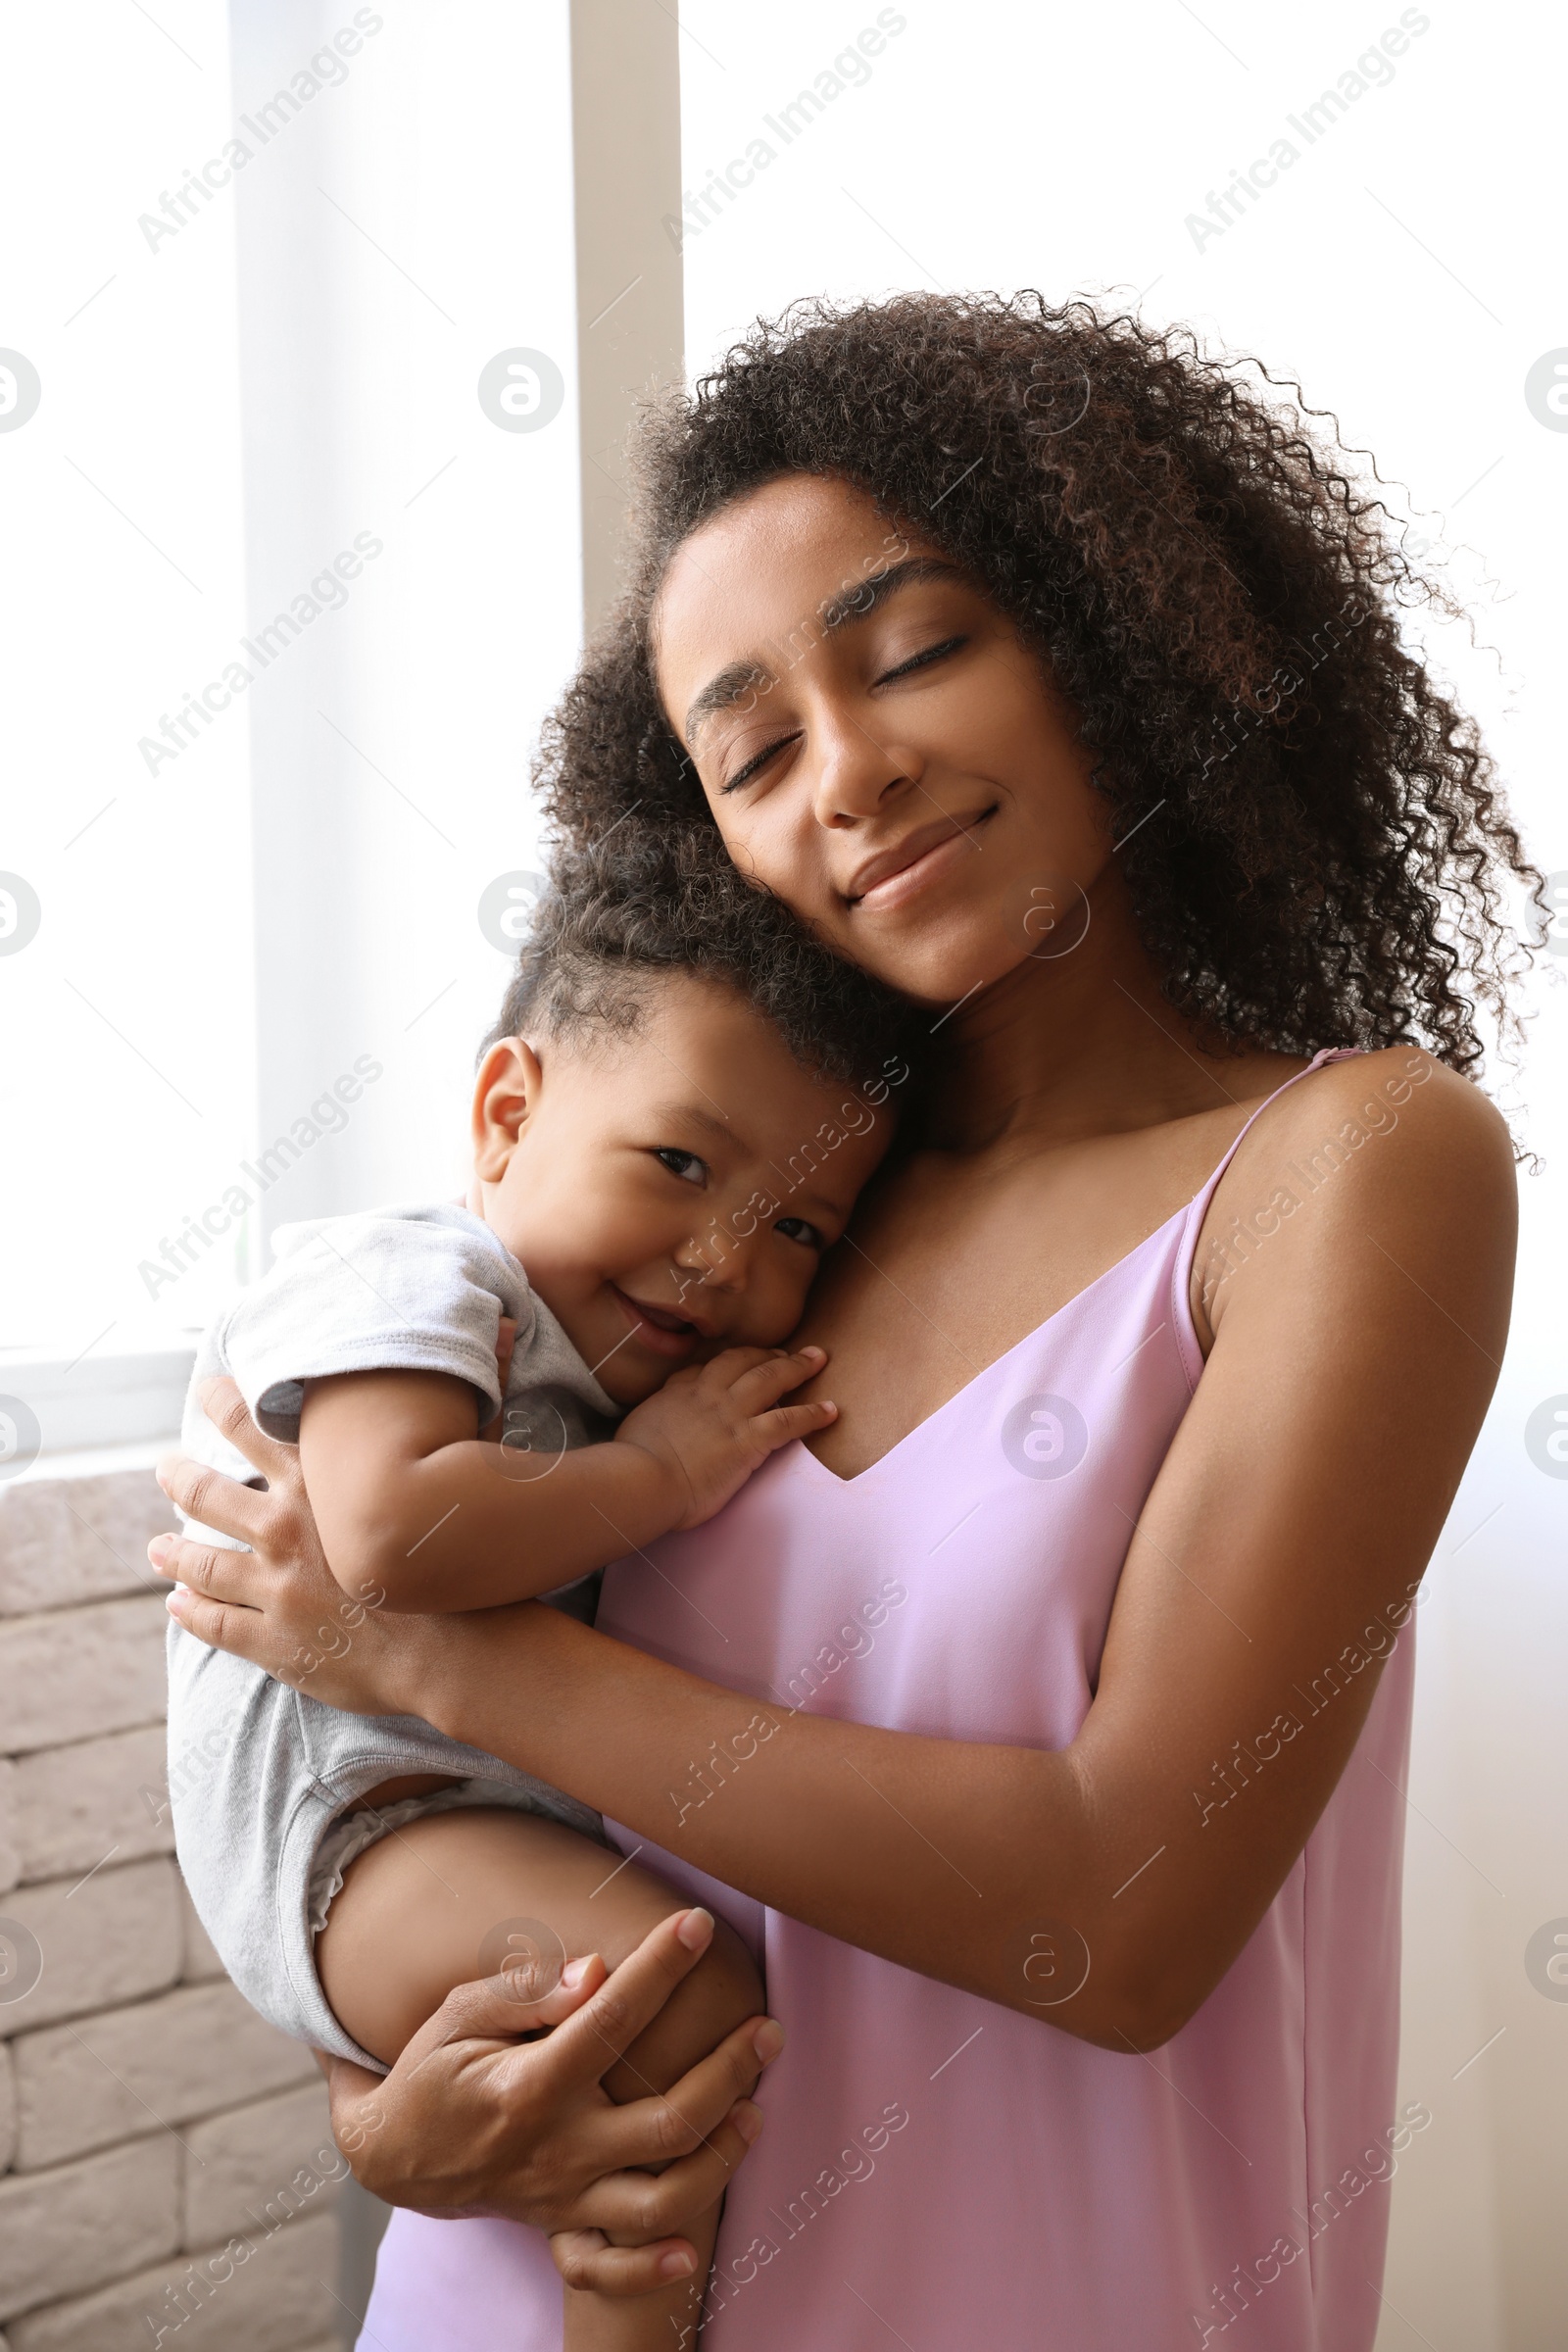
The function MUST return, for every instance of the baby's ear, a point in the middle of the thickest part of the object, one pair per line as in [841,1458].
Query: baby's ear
[506,1095]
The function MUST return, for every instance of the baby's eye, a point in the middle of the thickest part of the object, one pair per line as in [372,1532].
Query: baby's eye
[685,1164]
[795,1229]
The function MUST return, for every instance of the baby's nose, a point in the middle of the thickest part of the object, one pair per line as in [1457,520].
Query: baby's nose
[719,1261]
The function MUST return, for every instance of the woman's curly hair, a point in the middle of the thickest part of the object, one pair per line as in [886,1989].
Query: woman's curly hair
[1314,840]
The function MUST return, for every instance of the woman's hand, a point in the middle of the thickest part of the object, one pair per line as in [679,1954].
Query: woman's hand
[472,2121]
[277,1604]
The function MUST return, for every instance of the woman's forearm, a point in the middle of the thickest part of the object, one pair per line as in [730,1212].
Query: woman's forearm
[876,1836]
[998,1869]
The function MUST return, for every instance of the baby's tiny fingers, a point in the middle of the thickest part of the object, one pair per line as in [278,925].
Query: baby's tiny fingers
[587,2261]
[787,1422]
[774,1377]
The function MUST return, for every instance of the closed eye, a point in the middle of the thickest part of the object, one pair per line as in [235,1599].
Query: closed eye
[761,761]
[795,1229]
[923,659]
[684,1164]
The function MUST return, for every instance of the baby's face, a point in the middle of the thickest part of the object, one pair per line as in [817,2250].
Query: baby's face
[670,1193]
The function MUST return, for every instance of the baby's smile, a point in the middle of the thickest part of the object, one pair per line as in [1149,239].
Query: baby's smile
[670,1189]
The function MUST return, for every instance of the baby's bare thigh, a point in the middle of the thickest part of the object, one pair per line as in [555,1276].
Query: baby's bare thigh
[431,1906]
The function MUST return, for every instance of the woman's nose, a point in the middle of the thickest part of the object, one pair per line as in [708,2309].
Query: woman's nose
[857,775]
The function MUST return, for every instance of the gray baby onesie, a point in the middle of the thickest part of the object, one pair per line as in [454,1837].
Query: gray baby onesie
[258,1772]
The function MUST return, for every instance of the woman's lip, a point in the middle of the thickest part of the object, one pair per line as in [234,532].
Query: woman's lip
[931,864]
[649,1334]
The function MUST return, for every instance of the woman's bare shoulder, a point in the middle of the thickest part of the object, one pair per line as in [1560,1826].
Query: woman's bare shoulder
[1382,1166]
[1393,1109]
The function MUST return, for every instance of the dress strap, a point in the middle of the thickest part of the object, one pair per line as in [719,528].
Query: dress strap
[1198,1209]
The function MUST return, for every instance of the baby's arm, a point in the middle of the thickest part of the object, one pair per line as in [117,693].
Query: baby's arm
[413,1507]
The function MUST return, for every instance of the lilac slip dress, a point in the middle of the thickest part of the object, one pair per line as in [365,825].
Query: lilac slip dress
[937,2170]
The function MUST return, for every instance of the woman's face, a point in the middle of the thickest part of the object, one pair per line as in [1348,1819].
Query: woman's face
[875,743]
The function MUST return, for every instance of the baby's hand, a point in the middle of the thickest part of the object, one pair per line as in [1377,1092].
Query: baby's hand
[715,1423]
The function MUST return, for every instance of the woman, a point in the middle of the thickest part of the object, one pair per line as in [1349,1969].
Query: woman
[1044,1724]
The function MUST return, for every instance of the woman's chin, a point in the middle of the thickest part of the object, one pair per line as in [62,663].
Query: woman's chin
[936,974]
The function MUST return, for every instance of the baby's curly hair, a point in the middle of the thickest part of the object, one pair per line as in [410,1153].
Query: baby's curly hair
[1315,841]
[608,930]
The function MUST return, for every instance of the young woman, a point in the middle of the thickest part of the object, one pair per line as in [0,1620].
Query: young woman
[1044,1724]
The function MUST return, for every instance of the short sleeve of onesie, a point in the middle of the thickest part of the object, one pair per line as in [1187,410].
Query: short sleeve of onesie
[418,1290]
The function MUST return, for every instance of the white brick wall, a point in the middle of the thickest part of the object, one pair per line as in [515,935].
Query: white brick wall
[67,1540]
[198,1959]
[77,2225]
[10,1851]
[72,1804]
[241,2161]
[70,1673]
[281,2297]
[109,2078]
[105,1940]
[147,2117]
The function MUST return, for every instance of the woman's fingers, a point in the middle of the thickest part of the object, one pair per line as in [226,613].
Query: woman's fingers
[205,1495]
[506,1348]
[227,1410]
[358,2113]
[222,1625]
[689,2118]
[496,2008]
[220,1574]
[588,2045]
[221,1598]
[228,1503]
[654,2205]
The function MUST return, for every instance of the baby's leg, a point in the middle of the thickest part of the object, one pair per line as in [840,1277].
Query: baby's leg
[409,1924]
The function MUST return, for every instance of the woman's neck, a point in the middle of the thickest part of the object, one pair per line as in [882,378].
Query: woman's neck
[1077,1045]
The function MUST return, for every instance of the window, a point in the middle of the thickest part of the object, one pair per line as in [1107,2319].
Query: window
[315,597]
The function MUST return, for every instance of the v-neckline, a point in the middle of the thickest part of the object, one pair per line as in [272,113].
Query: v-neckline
[1176,1217]
[1203,1193]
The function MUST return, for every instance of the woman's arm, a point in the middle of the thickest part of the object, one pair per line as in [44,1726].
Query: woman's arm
[1306,1486]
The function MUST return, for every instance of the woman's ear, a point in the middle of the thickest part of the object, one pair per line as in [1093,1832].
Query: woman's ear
[506,1095]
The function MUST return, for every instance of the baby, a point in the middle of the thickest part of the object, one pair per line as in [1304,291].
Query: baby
[666,1140]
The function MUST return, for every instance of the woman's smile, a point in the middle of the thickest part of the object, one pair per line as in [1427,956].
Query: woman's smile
[887,882]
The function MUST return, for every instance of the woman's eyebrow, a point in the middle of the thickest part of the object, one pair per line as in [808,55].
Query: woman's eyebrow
[723,692]
[860,600]
[732,684]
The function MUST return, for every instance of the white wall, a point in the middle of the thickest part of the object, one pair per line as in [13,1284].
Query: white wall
[1401,267]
